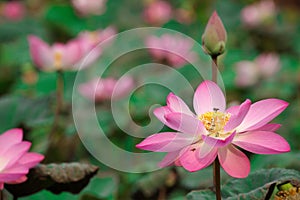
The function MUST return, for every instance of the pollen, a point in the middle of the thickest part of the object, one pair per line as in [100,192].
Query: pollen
[214,121]
[57,60]
[94,37]
[292,193]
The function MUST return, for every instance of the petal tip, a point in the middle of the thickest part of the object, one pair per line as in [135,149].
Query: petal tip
[17,133]
[282,103]
[160,111]
[171,94]
[40,157]
[286,104]
[248,101]
[139,145]
[32,39]
[205,82]
[287,148]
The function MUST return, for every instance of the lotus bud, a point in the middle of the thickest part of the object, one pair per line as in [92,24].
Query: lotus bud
[214,37]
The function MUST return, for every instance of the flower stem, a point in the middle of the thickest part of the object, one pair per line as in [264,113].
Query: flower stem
[216,165]
[217,179]
[59,102]
[59,92]
[54,134]
[214,68]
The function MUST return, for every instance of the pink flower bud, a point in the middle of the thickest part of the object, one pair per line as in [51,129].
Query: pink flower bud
[214,37]
[174,50]
[86,7]
[13,10]
[247,74]
[184,16]
[158,12]
[268,64]
[258,13]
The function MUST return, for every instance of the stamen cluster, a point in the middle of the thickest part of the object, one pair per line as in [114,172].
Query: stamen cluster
[214,122]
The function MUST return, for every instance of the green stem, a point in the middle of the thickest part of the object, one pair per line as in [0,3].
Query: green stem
[59,92]
[214,68]
[217,178]
[216,165]
[59,101]
[1,194]
[54,135]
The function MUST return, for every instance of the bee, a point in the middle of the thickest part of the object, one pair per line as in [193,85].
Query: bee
[213,122]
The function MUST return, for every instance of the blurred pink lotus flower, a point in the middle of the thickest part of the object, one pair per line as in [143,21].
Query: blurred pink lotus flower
[265,65]
[258,13]
[13,10]
[57,57]
[171,49]
[247,74]
[99,90]
[88,41]
[158,12]
[184,16]
[216,132]
[86,7]
[268,64]
[15,160]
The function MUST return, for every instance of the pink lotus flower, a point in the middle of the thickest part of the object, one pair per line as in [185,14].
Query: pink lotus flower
[265,65]
[158,12]
[84,7]
[268,64]
[57,57]
[15,160]
[172,49]
[247,74]
[13,10]
[88,41]
[215,132]
[184,16]
[105,89]
[258,13]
